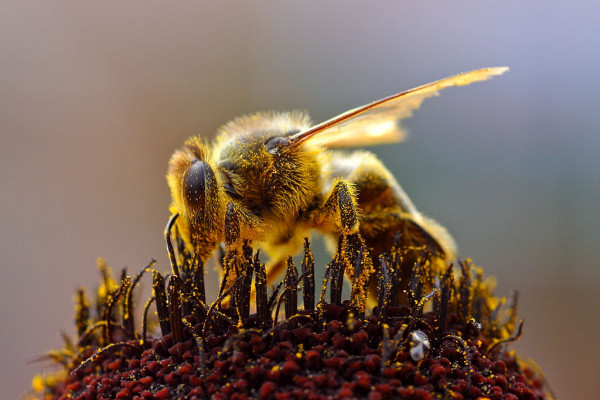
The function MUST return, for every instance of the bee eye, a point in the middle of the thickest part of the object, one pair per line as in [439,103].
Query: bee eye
[194,182]
[274,144]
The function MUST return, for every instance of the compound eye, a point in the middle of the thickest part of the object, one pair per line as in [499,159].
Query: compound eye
[194,183]
[273,145]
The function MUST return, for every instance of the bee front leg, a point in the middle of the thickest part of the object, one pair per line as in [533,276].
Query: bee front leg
[240,225]
[339,208]
[236,220]
[232,224]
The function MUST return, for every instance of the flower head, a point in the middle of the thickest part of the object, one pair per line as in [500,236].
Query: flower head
[446,336]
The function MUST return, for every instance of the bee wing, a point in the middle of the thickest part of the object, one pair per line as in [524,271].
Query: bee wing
[378,122]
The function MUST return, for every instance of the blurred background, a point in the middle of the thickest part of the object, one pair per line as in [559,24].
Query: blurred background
[95,96]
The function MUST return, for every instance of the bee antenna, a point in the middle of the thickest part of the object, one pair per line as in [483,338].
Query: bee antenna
[170,248]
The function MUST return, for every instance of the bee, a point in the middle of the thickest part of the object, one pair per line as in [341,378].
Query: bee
[274,177]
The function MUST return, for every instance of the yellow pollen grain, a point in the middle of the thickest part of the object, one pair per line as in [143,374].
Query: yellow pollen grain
[38,383]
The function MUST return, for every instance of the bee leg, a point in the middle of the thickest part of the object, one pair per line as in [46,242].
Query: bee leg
[340,207]
[170,249]
[232,249]
[240,225]
[232,224]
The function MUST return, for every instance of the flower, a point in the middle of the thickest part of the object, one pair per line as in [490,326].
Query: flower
[445,336]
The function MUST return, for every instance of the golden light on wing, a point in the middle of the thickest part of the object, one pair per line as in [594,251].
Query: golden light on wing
[378,122]
[360,131]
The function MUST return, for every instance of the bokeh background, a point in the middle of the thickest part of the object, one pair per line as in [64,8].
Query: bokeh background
[95,96]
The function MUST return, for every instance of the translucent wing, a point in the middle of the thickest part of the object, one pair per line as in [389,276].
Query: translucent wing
[378,122]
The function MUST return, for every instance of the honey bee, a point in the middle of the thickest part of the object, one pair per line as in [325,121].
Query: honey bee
[273,177]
